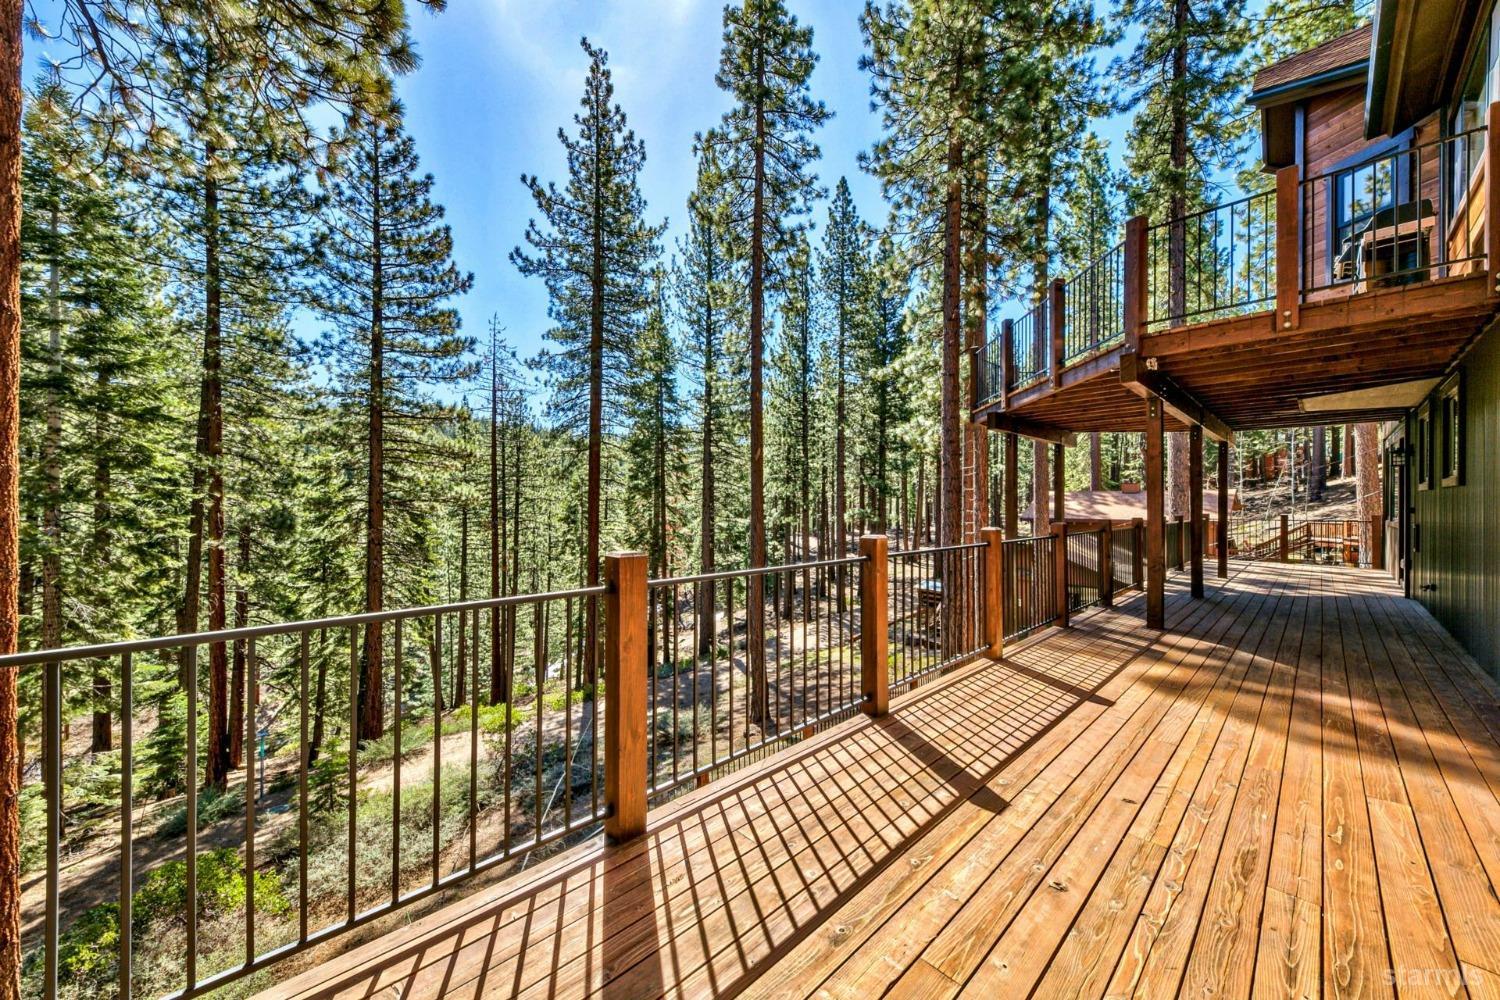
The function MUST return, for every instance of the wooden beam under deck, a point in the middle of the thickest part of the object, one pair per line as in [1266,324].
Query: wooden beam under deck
[1249,375]
[1138,376]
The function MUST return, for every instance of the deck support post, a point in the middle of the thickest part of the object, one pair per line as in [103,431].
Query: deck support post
[1288,249]
[1377,538]
[1060,571]
[1283,542]
[1221,526]
[625,709]
[1059,512]
[1107,564]
[1012,485]
[1156,516]
[994,591]
[1195,512]
[874,632]
[1179,547]
[1133,307]
[1492,194]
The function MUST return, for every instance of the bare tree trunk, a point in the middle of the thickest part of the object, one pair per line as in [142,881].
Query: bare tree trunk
[10,420]
[1317,479]
[499,682]
[1177,468]
[1041,487]
[459,690]
[755,626]
[52,468]
[101,738]
[1367,480]
[216,767]
[237,675]
[705,610]
[1095,465]
[372,681]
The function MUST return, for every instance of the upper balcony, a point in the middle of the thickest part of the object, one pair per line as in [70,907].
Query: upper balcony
[1337,294]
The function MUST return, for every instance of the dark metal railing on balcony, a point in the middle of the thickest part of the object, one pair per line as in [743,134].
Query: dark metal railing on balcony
[936,618]
[1395,218]
[1028,352]
[1213,263]
[1030,591]
[1094,306]
[1290,538]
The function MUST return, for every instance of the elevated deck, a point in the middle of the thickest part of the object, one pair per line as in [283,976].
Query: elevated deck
[1293,790]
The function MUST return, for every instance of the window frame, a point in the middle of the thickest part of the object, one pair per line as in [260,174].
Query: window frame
[1451,446]
[1422,448]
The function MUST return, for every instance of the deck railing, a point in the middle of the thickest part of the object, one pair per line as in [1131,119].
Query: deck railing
[1290,538]
[1397,217]
[936,610]
[510,724]
[1216,262]
[1094,311]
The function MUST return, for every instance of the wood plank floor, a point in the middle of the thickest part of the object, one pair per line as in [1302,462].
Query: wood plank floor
[1294,791]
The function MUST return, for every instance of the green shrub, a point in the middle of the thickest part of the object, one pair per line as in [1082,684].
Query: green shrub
[213,806]
[221,889]
[88,952]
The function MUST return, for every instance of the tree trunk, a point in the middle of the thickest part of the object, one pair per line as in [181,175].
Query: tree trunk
[216,766]
[755,639]
[499,682]
[320,699]
[1095,465]
[1349,448]
[705,610]
[1041,487]
[10,462]
[101,737]
[1367,480]
[1177,446]
[52,467]
[459,690]
[1177,442]
[371,668]
[1318,476]
[237,676]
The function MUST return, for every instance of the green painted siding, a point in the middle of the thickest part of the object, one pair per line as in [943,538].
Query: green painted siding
[1456,562]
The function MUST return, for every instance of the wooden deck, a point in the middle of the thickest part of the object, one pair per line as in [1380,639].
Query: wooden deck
[1291,792]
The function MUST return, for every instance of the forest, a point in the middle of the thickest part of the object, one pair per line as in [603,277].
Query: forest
[246,395]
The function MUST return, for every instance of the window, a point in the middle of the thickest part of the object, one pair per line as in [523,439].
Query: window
[1468,113]
[1451,449]
[1422,459]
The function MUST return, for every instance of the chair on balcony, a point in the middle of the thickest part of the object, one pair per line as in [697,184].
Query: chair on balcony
[1392,248]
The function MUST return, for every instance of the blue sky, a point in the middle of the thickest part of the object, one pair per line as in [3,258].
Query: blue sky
[499,77]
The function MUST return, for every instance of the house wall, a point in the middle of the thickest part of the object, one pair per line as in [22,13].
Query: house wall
[1455,557]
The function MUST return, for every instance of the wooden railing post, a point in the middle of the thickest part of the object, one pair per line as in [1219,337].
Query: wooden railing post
[1134,293]
[1288,249]
[1492,193]
[874,661]
[625,707]
[1181,544]
[1284,543]
[994,591]
[1107,564]
[1007,360]
[1057,319]
[1060,571]
[1137,552]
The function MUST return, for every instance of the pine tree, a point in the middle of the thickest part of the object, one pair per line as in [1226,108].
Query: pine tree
[1184,79]
[843,265]
[765,142]
[97,406]
[386,284]
[594,254]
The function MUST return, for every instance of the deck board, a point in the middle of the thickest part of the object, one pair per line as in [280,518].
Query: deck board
[1293,791]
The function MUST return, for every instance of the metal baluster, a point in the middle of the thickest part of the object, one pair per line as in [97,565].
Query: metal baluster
[127,816]
[353,764]
[251,683]
[437,746]
[473,666]
[538,677]
[190,669]
[398,687]
[303,753]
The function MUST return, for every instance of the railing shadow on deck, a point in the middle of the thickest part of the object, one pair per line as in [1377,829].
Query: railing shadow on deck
[633,919]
